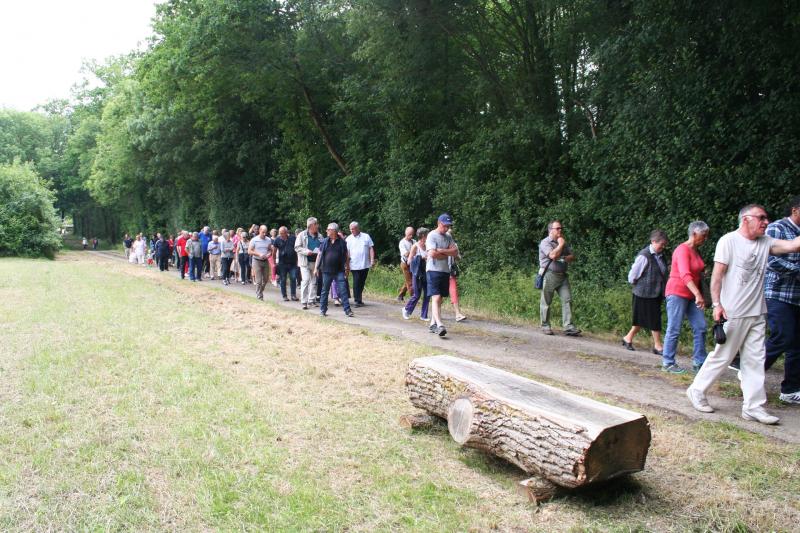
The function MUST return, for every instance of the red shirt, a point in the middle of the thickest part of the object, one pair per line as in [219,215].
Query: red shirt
[687,265]
[181,243]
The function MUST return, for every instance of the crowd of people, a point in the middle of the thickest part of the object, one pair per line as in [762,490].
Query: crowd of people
[755,283]
[322,266]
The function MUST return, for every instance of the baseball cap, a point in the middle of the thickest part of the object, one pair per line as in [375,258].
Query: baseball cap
[446,219]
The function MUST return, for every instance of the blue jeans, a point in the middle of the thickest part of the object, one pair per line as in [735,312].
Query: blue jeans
[327,279]
[418,287]
[784,337]
[291,272]
[677,309]
[195,268]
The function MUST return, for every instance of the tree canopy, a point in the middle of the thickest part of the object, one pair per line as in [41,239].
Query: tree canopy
[614,116]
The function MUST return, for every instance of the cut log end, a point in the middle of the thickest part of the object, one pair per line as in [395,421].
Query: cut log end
[459,420]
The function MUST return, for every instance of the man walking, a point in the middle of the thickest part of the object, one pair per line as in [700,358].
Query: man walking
[183,253]
[737,293]
[405,245]
[554,256]
[333,261]
[194,249]
[127,243]
[361,250]
[439,246]
[307,246]
[205,238]
[162,253]
[286,259]
[260,249]
[782,292]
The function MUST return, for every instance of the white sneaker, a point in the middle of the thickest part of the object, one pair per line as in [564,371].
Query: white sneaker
[424,319]
[698,400]
[793,397]
[406,316]
[761,416]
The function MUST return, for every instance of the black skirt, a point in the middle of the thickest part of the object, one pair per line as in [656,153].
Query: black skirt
[647,313]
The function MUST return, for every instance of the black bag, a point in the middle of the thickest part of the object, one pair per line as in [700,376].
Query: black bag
[719,331]
[454,270]
[539,282]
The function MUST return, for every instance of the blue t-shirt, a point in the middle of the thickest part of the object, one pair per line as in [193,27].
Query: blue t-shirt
[204,240]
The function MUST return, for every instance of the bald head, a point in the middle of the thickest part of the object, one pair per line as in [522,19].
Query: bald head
[409,233]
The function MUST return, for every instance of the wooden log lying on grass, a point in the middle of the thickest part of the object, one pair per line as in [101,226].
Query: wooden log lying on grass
[562,437]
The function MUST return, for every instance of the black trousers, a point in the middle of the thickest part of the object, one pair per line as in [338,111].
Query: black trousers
[163,262]
[182,261]
[244,267]
[359,280]
[206,264]
[226,267]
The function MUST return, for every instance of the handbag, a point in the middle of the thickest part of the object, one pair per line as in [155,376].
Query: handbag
[719,331]
[539,281]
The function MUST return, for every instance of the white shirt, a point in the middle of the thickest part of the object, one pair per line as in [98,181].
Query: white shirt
[358,247]
[742,292]
[405,246]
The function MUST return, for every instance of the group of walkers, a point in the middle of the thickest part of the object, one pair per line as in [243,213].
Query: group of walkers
[320,265]
[755,284]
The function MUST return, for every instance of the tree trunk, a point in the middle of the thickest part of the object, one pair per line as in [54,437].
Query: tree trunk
[562,437]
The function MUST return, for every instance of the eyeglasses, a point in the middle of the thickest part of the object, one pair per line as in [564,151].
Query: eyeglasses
[558,228]
[763,218]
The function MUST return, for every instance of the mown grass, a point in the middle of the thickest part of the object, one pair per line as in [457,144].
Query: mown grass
[130,401]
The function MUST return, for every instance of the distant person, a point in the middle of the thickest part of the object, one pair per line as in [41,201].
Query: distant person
[205,237]
[194,247]
[554,257]
[361,250]
[243,257]
[782,292]
[140,249]
[226,248]
[405,245]
[333,261]
[439,247]
[162,253]
[307,245]
[415,259]
[95,242]
[453,289]
[685,299]
[648,278]
[85,243]
[286,260]
[260,249]
[183,253]
[273,270]
[214,251]
[737,293]
[127,243]
[171,243]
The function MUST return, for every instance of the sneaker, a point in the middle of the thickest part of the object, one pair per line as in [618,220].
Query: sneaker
[358,304]
[336,302]
[572,332]
[432,328]
[460,318]
[424,318]
[305,306]
[441,331]
[285,299]
[698,400]
[295,299]
[760,416]
[350,314]
[323,314]
[401,299]
[547,330]
[673,369]
[792,397]
[406,316]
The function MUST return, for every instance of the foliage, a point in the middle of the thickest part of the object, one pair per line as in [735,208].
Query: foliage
[28,222]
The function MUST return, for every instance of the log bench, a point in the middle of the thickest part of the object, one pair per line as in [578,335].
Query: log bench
[566,439]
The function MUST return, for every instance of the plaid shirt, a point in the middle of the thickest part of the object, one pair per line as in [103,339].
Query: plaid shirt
[782,280]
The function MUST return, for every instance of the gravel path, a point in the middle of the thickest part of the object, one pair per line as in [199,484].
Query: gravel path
[581,365]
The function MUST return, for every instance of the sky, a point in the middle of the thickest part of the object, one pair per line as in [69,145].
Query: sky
[44,42]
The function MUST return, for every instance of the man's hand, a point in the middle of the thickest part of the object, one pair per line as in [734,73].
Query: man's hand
[719,312]
[561,241]
[700,302]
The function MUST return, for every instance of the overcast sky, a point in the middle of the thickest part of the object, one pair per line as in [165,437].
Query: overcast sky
[43,43]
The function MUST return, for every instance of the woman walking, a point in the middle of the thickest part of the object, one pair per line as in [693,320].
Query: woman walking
[648,276]
[243,258]
[416,260]
[453,262]
[685,299]
[226,257]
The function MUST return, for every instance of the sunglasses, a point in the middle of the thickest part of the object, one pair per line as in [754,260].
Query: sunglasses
[763,218]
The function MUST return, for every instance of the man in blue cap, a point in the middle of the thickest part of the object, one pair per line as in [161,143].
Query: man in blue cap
[439,247]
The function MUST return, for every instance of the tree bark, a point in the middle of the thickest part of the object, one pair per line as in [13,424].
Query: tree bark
[564,438]
[326,138]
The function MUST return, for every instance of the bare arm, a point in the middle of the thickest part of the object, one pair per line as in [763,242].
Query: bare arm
[372,256]
[555,253]
[716,289]
[782,247]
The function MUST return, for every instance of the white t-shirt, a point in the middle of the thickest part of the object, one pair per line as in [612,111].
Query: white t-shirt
[405,246]
[358,248]
[743,284]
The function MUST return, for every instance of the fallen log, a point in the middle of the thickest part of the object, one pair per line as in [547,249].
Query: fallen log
[420,421]
[562,437]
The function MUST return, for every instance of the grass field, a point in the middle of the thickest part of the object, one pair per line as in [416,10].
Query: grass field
[132,401]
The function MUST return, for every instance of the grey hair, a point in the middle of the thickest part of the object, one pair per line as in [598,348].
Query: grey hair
[746,209]
[422,232]
[311,220]
[354,223]
[698,226]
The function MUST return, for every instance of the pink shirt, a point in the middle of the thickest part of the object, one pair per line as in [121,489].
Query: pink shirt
[687,265]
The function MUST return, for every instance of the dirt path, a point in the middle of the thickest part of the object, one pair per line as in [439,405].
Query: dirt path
[582,365]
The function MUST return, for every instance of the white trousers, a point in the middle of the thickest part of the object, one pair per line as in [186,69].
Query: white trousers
[745,336]
[308,287]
